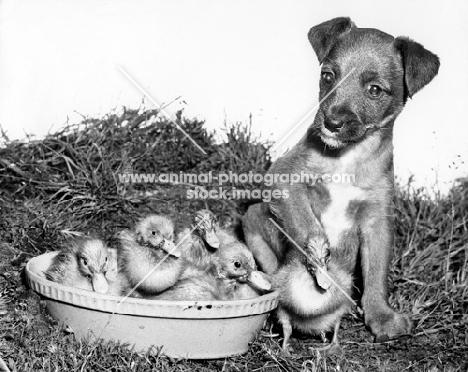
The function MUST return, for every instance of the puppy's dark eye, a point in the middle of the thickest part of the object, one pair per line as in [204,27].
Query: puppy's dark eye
[85,262]
[153,232]
[237,265]
[328,78]
[374,90]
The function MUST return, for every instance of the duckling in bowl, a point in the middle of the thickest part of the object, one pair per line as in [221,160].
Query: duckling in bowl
[178,329]
[236,265]
[198,247]
[148,257]
[157,232]
[231,275]
[84,264]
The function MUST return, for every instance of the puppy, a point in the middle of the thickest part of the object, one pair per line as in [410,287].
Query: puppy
[367,76]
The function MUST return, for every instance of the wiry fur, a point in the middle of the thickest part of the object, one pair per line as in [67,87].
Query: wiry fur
[351,135]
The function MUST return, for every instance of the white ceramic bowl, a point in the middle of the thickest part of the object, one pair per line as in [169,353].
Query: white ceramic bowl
[183,329]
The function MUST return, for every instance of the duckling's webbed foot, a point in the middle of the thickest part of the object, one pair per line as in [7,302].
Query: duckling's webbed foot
[333,348]
[330,349]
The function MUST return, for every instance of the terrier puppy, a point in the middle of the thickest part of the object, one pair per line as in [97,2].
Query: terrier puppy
[367,77]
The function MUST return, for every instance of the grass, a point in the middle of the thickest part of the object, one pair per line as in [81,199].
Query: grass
[67,184]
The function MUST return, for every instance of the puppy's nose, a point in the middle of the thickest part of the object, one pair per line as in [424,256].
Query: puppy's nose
[333,125]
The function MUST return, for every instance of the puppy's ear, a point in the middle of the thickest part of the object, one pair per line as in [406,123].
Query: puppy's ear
[420,65]
[323,36]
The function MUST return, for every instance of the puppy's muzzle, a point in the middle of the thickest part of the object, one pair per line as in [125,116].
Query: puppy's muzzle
[333,125]
[339,117]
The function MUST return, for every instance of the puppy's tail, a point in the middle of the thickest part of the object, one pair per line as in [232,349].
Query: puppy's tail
[237,227]
[242,207]
[244,204]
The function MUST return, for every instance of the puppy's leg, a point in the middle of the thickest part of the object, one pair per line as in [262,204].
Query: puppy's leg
[262,252]
[376,248]
[262,237]
[296,215]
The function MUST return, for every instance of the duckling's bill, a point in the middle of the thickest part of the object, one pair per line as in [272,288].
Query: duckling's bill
[99,283]
[212,239]
[169,247]
[256,278]
[322,278]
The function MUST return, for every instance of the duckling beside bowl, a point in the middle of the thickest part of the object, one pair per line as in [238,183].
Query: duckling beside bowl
[83,264]
[143,256]
[308,301]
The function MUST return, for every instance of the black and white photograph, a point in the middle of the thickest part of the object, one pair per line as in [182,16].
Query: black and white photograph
[233,185]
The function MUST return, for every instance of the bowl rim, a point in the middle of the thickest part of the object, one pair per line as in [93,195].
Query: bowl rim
[144,307]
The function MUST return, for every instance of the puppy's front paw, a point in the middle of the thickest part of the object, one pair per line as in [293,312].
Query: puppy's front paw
[387,324]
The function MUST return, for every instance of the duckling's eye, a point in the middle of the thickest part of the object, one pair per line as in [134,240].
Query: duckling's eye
[153,232]
[237,265]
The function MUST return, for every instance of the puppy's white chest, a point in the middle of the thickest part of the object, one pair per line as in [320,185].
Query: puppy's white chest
[335,219]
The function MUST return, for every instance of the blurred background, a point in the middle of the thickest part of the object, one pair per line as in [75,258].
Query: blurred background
[223,61]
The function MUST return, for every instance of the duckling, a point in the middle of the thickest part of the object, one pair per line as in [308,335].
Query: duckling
[158,232]
[225,236]
[199,246]
[235,256]
[82,264]
[308,300]
[236,265]
[231,275]
[143,257]
[196,284]
[117,280]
